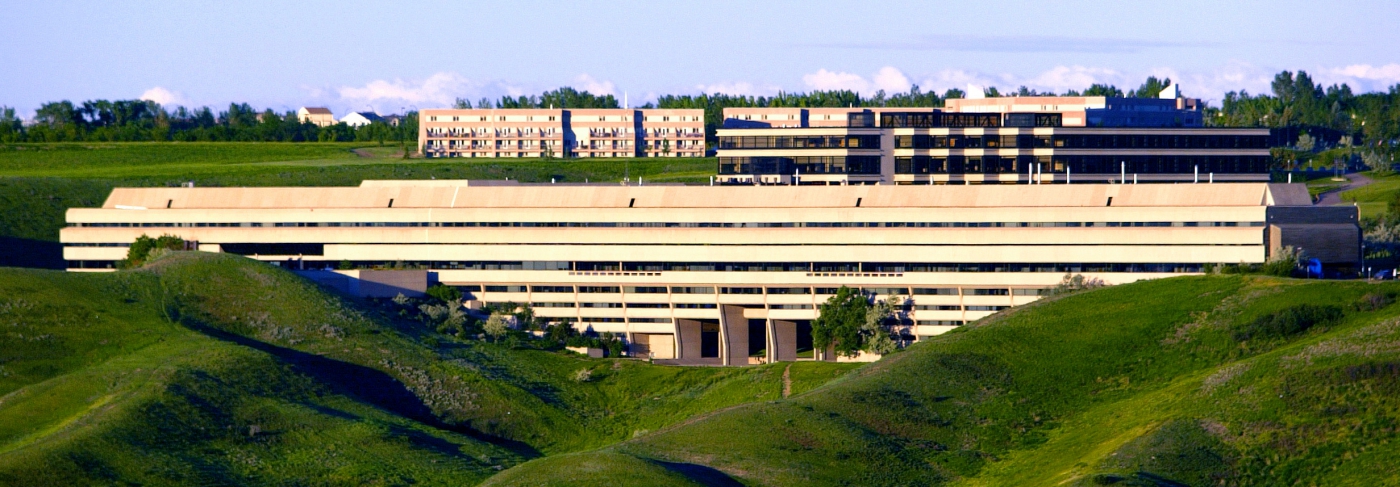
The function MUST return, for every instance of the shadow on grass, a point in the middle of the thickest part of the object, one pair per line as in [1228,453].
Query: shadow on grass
[700,473]
[369,385]
[25,252]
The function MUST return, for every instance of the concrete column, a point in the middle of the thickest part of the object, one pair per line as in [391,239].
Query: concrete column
[733,336]
[784,341]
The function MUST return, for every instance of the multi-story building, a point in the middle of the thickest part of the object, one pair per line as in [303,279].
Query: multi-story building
[569,132]
[990,140]
[730,274]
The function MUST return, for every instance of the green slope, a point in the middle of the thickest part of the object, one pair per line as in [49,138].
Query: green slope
[204,368]
[1151,383]
[99,387]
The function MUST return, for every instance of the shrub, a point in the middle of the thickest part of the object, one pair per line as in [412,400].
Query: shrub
[1373,301]
[141,249]
[1076,282]
[583,375]
[445,294]
[1283,262]
[1288,321]
[495,326]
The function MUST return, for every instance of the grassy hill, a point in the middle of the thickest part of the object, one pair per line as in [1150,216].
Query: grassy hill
[1188,381]
[39,182]
[214,369]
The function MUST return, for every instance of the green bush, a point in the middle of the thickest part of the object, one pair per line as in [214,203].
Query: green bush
[445,294]
[143,246]
[1288,321]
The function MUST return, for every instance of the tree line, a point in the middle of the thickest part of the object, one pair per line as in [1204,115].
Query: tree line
[145,120]
[1296,106]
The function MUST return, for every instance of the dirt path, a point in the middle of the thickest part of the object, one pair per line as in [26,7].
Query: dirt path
[1334,197]
[787,381]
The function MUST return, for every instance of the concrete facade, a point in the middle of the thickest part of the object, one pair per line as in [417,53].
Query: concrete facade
[729,275]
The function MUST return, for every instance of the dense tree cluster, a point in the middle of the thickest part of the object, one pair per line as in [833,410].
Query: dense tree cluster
[565,97]
[144,120]
[1325,112]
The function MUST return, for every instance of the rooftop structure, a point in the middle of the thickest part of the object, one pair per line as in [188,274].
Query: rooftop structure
[729,274]
[571,132]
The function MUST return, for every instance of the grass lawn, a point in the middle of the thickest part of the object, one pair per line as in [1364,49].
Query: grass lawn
[1323,185]
[1374,198]
[1148,383]
[215,369]
[39,182]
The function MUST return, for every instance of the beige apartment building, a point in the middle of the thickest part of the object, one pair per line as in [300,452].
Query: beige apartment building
[1009,140]
[570,132]
[729,274]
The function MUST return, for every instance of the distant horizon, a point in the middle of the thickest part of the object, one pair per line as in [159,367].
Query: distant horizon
[390,59]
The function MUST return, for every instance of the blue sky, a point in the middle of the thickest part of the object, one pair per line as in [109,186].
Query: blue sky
[361,55]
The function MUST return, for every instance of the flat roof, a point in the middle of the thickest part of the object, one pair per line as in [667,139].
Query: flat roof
[467,194]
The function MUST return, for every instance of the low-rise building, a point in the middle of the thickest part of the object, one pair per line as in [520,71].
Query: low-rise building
[360,119]
[731,274]
[321,116]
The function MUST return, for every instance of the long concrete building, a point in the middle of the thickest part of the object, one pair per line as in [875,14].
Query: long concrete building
[1009,140]
[730,274]
[562,132]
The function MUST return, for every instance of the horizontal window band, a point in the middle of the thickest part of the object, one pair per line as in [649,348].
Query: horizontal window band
[810,269]
[673,224]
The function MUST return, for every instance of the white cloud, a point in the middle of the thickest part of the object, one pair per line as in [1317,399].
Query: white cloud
[163,96]
[891,80]
[888,78]
[953,78]
[738,88]
[1361,77]
[831,80]
[1389,73]
[436,91]
[1064,78]
[594,86]
[440,89]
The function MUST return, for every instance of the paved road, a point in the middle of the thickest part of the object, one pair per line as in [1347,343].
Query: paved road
[1334,197]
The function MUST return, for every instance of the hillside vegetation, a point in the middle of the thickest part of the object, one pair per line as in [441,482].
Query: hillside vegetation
[1188,381]
[214,369]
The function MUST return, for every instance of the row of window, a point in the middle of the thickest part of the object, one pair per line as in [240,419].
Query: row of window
[801,142]
[1082,164]
[955,307]
[942,119]
[876,291]
[658,224]
[867,267]
[1080,141]
[842,267]
[800,165]
[656,305]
